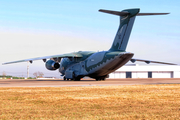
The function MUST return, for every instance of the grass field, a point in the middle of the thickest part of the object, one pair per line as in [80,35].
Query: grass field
[115,102]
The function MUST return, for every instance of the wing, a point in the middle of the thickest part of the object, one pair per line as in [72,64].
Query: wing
[55,57]
[150,61]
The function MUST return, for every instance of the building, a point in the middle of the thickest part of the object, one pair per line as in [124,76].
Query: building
[147,71]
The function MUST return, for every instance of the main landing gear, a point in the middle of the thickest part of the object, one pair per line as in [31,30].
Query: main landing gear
[74,79]
[100,79]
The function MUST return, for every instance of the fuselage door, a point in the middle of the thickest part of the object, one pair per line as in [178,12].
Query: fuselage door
[82,68]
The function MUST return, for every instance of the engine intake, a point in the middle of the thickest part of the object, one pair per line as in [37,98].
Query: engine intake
[52,65]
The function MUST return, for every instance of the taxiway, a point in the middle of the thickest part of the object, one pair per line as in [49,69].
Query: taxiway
[84,82]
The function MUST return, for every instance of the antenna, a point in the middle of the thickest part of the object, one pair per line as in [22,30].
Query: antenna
[27,69]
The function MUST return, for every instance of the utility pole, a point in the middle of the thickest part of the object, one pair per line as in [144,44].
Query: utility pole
[27,69]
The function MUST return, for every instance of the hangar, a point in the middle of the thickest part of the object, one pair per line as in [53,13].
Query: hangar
[147,71]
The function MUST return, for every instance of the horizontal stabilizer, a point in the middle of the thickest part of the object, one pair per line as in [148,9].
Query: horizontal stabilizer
[114,12]
[124,13]
[143,14]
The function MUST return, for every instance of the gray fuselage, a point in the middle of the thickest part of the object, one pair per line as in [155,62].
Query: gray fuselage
[94,64]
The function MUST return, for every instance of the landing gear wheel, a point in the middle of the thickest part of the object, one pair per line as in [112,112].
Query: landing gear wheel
[97,79]
[64,78]
[100,79]
[76,79]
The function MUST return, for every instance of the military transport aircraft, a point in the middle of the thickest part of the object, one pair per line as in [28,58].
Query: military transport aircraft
[97,65]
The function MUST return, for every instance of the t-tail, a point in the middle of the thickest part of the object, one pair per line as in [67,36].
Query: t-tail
[127,18]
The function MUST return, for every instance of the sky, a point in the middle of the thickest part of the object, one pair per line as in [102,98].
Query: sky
[36,28]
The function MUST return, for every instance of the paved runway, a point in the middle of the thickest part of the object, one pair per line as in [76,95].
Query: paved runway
[85,82]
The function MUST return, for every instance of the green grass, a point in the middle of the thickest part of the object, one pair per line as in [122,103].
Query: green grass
[109,102]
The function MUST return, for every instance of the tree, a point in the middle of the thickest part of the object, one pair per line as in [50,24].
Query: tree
[35,74]
[38,74]
[4,74]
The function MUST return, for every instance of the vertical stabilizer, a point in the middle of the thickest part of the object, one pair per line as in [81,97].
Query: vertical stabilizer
[127,18]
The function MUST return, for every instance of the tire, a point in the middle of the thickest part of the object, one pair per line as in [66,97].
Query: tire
[100,79]
[97,79]
[77,78]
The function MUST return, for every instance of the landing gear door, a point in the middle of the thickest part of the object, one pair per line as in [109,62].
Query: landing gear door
[82,68]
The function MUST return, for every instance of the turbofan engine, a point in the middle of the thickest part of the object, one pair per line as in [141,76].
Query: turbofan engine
[52,65]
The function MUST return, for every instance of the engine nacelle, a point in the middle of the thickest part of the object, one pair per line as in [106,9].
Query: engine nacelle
[52,65]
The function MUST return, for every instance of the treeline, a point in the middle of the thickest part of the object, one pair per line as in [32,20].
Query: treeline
[12,77]
[36,75]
